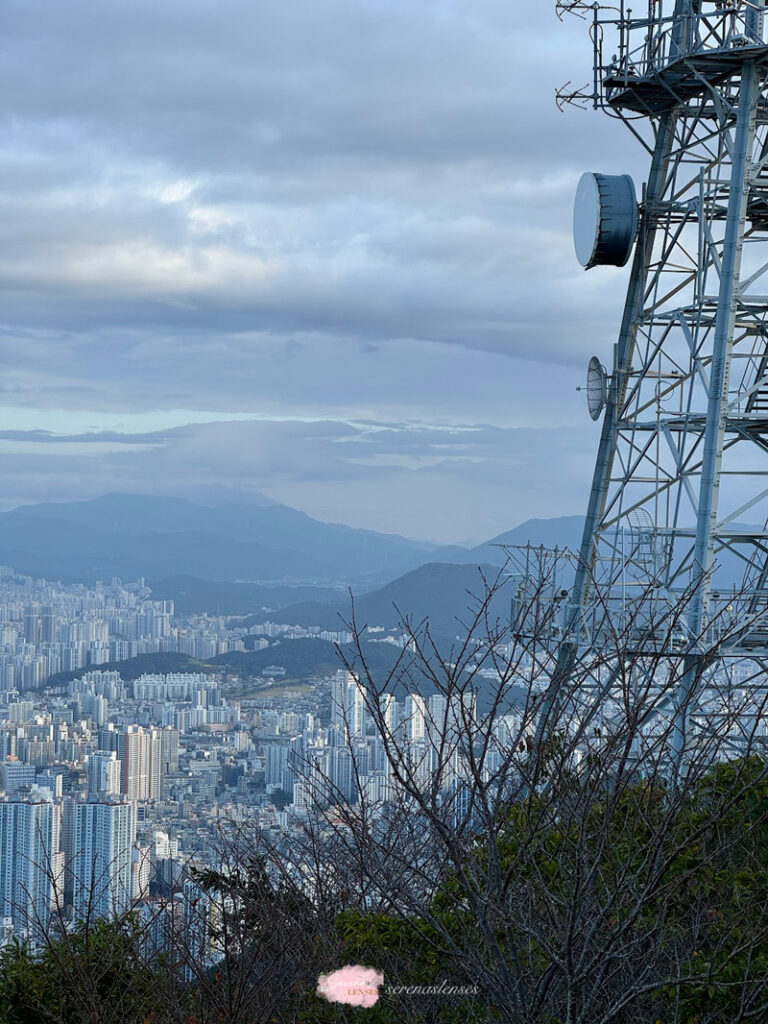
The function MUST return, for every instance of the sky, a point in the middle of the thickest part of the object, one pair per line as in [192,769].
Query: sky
[314,251]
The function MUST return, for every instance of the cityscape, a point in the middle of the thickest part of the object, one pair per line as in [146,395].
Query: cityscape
[384,522]
[112,789]
[116,793]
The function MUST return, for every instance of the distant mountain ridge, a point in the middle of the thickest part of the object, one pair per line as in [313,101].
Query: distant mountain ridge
[447,595]
[280,556]
[138,535]
[561,531]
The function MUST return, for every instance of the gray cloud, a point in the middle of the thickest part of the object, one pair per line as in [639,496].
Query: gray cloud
[341,211]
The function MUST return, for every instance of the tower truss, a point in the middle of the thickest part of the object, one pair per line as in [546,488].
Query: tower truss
[679,497]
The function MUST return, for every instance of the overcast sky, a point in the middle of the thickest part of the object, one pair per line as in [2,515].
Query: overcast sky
[318,249]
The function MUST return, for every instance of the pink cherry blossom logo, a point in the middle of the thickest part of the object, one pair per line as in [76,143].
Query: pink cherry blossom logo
[353,985]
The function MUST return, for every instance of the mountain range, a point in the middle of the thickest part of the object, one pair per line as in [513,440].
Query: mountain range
[157,538]
[448,595]
[136,535]
[560,531]
[268,562]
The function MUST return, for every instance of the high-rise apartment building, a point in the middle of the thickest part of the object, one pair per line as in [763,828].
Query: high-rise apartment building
[416,716]
[48,625]
[103,772]
[348,708]
[101,869]
[169,740]
[31,864]
[140,752]
[32,625]
[275,762]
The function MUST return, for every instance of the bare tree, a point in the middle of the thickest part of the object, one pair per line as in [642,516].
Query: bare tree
[243,942]
[256,933]
[576,873]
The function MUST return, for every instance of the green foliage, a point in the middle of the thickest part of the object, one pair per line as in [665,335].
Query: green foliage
[95,973]
[684,877]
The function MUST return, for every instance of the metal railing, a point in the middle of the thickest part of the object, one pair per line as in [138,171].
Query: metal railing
[633,43]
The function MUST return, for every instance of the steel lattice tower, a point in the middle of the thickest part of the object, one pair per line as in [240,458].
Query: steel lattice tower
[682,463]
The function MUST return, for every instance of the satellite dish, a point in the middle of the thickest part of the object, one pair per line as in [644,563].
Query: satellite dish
[604,219]
[597,387]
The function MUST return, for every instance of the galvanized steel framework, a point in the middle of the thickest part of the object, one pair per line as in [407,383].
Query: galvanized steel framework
[682,462]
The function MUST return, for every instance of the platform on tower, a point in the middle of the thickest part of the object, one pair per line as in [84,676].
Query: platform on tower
[659,89]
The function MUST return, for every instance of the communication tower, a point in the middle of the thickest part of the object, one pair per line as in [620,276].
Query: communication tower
[679,496]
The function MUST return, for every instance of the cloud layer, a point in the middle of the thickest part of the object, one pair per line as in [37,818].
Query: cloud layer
[309,215]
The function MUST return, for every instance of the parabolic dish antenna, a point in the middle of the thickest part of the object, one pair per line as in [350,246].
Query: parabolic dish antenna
[604,219]
[597,387]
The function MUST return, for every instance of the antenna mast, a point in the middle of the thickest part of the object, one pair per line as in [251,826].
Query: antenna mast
[682,462]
